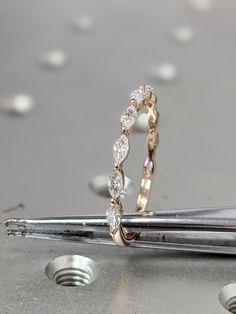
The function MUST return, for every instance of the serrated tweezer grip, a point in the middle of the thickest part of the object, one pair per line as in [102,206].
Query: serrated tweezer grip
[197,230]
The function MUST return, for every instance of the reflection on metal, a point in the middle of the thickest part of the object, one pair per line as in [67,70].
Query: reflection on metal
[99,185]
[72,270]
[164,73]
[20,104]
[199,230]
[53,59]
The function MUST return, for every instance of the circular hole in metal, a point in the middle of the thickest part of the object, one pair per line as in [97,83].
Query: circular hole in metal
[227,297]
[72,270]
[99,185]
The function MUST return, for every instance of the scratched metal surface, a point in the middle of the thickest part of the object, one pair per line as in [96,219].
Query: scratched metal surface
[49,157]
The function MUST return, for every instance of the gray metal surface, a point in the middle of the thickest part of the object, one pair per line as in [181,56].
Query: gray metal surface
[49,157]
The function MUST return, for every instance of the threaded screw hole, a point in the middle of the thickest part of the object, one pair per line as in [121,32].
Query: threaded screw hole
[227,297]
[72,270]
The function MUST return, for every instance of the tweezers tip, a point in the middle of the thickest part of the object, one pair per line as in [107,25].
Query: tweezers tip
[14,226]
[11,222]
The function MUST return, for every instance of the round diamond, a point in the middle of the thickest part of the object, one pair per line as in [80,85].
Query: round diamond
[137,95]
[129,117]
[113,216]
[121,148]
[115,184]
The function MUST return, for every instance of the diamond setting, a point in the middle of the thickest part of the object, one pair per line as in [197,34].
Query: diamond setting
[116,184]
[143,96]
[121,148]
[138,95]
[113,216]
[129,117]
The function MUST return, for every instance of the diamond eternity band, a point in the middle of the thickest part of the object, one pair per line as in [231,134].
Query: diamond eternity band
[143,97]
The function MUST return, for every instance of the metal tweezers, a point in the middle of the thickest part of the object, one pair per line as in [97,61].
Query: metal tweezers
[211,230]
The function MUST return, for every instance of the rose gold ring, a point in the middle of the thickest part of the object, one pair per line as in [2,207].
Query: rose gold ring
[141,98]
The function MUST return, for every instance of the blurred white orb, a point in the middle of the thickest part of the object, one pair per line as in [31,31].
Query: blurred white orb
[183,34]
[201,5]
[20,104]
[165,72]
[83,23]
[53,59]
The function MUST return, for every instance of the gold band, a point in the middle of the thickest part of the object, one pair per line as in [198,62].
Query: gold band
[143,97]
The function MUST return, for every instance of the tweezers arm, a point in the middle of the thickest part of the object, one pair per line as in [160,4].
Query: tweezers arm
[201,230]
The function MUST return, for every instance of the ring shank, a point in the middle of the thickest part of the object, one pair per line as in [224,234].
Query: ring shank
[149,163]
[123,237]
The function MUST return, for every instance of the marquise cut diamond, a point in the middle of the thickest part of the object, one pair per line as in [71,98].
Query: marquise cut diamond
[129,117]
[121,148]
[116,184]
[113,216]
